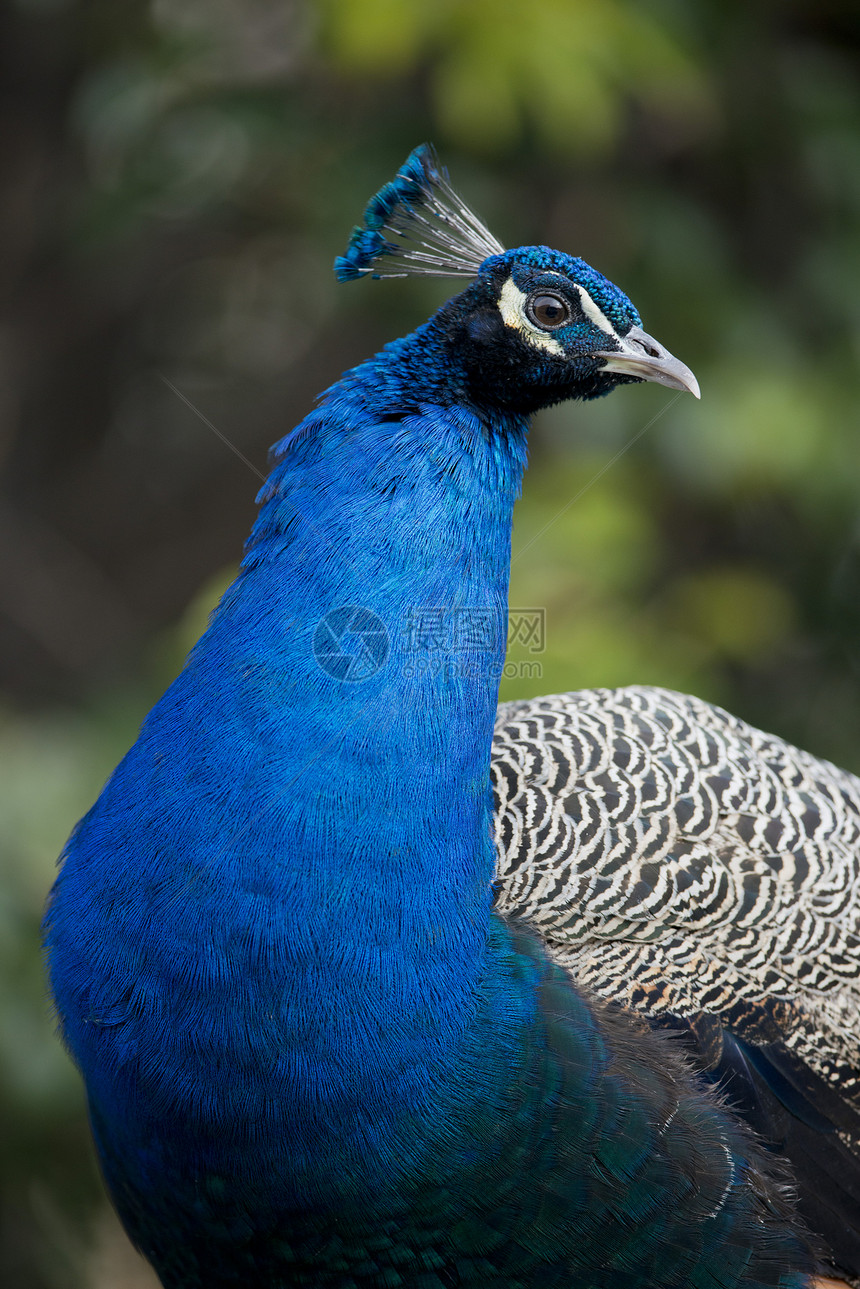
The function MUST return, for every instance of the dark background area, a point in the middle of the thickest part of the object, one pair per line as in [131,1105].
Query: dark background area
[176,178]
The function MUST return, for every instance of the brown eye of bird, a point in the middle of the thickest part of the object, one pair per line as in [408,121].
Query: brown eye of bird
[548,311]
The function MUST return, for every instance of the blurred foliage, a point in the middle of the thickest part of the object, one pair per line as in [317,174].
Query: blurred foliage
[177,178]
[564,69]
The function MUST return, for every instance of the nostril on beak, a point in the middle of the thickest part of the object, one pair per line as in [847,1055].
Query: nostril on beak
[647,347]
[645,344]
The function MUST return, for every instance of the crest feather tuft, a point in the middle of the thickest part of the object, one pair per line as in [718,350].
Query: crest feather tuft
[416,224]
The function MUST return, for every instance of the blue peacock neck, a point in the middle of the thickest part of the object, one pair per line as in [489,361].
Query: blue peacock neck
[322,769]
[374,598]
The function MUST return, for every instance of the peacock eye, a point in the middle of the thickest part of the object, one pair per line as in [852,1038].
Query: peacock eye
[548,311]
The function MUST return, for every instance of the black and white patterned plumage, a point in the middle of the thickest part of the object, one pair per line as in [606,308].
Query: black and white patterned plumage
[683,864]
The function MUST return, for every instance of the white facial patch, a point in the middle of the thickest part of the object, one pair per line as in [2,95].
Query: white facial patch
[597,316]
[512,306]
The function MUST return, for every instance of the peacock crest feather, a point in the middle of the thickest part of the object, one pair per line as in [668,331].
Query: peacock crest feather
[416,224]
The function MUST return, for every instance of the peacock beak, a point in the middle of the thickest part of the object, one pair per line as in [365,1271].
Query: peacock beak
[640,355]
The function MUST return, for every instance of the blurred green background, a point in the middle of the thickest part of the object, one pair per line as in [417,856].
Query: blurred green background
[177,177]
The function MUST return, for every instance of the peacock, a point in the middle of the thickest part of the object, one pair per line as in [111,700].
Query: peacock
[364,998]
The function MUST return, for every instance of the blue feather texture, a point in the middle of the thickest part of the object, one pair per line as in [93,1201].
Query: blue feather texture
[313,1053]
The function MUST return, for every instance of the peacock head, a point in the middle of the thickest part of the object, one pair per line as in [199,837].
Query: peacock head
[535,326]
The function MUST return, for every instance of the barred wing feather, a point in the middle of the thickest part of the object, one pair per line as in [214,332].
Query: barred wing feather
[683,864]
